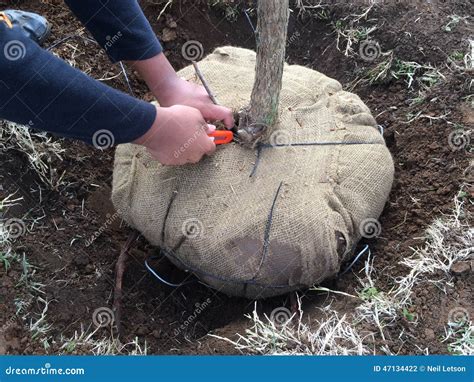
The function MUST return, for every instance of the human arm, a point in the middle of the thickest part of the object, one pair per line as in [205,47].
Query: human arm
[123,31]
[40,90]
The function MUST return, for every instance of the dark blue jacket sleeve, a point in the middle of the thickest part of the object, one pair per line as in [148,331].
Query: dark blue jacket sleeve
[42,91]
[119,26]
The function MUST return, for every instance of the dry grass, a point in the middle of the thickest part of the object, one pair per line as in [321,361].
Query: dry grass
[333,336]
[40,150]
[93,341]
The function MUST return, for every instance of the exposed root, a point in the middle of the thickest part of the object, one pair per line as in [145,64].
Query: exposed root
[119,272]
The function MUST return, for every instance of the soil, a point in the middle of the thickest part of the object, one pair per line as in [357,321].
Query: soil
[79,279]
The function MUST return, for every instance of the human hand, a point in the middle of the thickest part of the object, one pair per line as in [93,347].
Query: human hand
[181,92]
[169,89]
[178,136]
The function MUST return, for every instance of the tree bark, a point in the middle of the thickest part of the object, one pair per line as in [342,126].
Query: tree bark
[272,30]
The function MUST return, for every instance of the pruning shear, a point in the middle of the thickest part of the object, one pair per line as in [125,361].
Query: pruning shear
[222,137]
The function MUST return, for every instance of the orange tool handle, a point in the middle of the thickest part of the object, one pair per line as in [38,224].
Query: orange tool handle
[222,137]
[4,17]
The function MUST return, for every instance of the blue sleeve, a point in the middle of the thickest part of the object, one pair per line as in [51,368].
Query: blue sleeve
[119,26]
[42,91]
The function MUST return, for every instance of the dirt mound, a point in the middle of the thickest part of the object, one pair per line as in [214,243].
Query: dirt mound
[77,279]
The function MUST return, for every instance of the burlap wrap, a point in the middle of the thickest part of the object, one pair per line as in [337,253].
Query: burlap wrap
[245,235]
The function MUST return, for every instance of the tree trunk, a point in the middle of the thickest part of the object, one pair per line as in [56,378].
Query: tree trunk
[272,29]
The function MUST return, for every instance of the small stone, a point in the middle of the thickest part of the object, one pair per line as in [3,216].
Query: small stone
[430,334]
[90,268]
[460,268]
[171,24]
[81,260]
[168,35]
[14,344]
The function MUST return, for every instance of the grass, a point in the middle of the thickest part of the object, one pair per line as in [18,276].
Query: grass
[460,338]
[85,341]
[40,150]
[6,259]
[28,288]
[449,240]
[230,8]
[350,36]
[30,298]
[39,327]
[416,76]
[457,55]
[26,280]
[425,75]
[350,32]
[307,6]
[463,61]
[7,255]
[334,335]
[453,22]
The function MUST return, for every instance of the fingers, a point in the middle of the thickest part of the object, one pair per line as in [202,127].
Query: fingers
[221,113]
[204,145]
[210,147]
[210,128]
